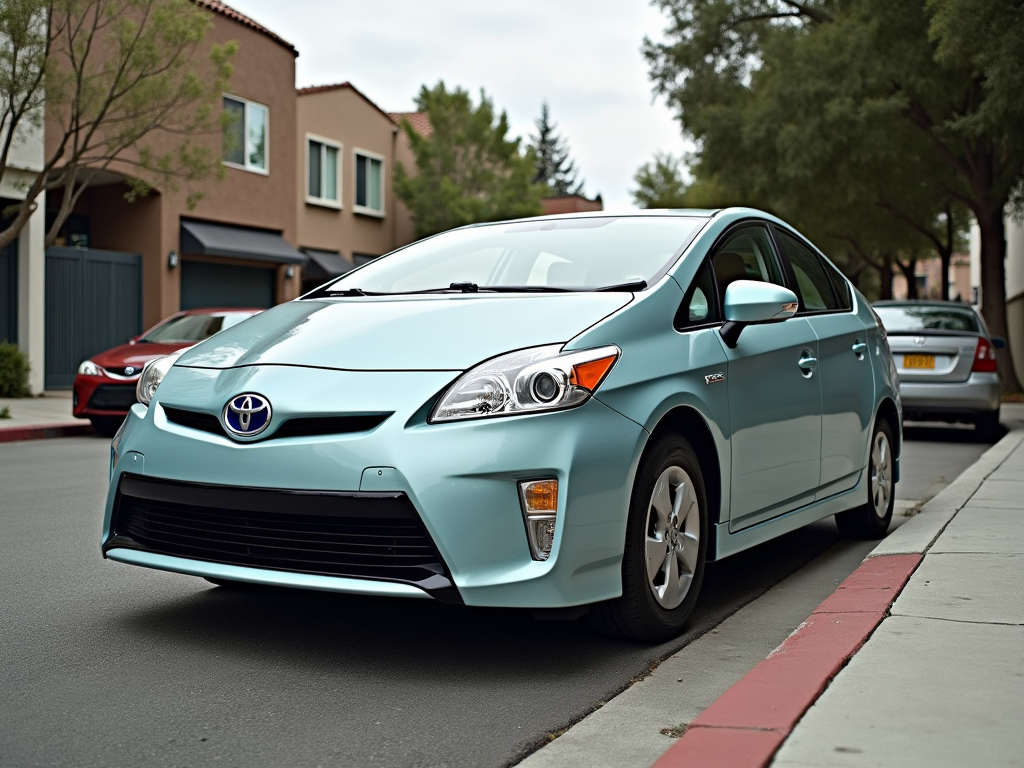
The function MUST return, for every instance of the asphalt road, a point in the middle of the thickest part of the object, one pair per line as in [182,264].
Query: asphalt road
[104,664]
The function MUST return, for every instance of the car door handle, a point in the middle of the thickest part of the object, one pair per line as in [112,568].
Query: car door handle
[807,363]
[859,348]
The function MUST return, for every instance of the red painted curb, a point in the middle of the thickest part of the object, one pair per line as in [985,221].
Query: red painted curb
[748,723]
[43,431]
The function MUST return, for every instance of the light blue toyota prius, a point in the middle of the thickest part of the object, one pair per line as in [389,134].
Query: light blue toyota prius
[565,412]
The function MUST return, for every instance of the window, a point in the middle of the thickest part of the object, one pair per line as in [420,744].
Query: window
[322,172]
[746,255]
[700,305]
[812,282]
[369,184]
[245,134]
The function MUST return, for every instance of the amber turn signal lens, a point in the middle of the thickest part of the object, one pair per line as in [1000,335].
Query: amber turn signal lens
[589,375]
[541,496]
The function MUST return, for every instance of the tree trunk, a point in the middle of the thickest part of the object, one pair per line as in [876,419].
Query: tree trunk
[945,257]
[993,288]
[909,275]
[885,278]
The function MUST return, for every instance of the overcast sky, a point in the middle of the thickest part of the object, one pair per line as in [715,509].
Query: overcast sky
[581,56]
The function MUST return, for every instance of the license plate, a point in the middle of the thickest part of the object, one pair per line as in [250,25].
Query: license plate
[919,361]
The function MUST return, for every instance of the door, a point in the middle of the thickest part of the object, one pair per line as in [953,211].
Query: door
[207,284]
[9,293]
[93,303]
[844,369]
[774,397]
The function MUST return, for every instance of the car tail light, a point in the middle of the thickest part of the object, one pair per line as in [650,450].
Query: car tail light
[984,357]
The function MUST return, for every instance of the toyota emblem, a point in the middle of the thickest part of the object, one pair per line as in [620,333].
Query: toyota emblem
[246,415]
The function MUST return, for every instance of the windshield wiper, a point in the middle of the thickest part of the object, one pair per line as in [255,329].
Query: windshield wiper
[348,292]
[636,285]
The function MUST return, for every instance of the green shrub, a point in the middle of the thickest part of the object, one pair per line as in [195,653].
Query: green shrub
[14,370]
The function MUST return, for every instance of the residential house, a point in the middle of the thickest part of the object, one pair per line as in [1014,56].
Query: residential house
[348,212]
[237,248]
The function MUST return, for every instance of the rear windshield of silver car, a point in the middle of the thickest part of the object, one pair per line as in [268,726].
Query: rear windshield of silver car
[571,254]
[924,318]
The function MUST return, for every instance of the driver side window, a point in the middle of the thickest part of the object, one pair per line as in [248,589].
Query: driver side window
[746,255]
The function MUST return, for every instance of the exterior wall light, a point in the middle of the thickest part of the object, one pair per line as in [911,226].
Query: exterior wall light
[172,259]
[289,272]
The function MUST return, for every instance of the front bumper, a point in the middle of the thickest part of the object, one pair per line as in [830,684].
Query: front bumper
[461,478]
[102,396]
[979,394]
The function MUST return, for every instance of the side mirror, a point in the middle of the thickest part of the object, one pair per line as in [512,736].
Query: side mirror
[751,302]
[998,342]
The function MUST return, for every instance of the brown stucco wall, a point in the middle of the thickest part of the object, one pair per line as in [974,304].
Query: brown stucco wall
[345,117]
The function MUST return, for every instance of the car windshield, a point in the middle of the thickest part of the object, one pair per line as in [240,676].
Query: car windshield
[559,254]
[898,318]
[193,328]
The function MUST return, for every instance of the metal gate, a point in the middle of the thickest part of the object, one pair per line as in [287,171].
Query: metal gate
[9,293]
[93,302]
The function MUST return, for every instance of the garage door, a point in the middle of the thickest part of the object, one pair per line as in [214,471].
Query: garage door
[204,284]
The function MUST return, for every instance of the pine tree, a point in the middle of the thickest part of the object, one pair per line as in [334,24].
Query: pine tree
[554,167]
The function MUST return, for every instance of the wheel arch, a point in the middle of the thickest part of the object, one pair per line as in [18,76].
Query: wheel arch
[689,423]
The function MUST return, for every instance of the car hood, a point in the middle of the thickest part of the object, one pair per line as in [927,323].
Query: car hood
[425,333]
[135,354]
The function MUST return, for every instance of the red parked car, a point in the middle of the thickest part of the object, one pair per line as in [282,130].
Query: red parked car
[104,387]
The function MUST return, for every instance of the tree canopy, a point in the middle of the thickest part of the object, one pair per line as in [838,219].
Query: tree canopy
[468,170]
[126,87]
[554,166]
[661,183]
[874,126]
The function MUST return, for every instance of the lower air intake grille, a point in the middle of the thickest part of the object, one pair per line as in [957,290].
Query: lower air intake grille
[113,397]
[361,535]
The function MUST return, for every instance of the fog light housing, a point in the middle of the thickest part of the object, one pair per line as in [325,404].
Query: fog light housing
[539,499]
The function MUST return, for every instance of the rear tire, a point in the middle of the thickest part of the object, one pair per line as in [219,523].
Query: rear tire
[665,549]
[106,425]
[986,427]
[871,520]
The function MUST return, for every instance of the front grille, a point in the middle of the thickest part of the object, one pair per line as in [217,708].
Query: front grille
[297,427]
[113,397]
[352,534]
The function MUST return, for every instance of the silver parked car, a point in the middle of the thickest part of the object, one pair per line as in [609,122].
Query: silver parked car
[946,361]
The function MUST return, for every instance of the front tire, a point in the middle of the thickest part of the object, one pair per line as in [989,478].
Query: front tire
[665,550]
[871,521]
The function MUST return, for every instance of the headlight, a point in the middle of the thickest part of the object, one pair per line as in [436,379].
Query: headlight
[153,374]
[527,381]
[89,368]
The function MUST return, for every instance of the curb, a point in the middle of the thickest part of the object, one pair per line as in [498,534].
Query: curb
[745,726]
[43,431]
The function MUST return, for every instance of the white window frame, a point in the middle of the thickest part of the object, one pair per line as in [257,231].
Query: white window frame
[366,210]
[245,134]
[326,202]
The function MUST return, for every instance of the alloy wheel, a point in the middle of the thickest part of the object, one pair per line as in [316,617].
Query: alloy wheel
[881,474]
[673,537]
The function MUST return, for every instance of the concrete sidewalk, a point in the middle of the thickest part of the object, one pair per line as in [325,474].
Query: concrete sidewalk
[940,682]
[35,417]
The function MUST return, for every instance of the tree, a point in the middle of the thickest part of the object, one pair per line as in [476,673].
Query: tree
[125,88]
[554,167]
[881,121]
[660,183]
[467,170]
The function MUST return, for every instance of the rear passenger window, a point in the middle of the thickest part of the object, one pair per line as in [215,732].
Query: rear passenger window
[700,305]
[812,281]
[840,286]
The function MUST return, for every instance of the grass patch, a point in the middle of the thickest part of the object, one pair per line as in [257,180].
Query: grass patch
[5,412]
